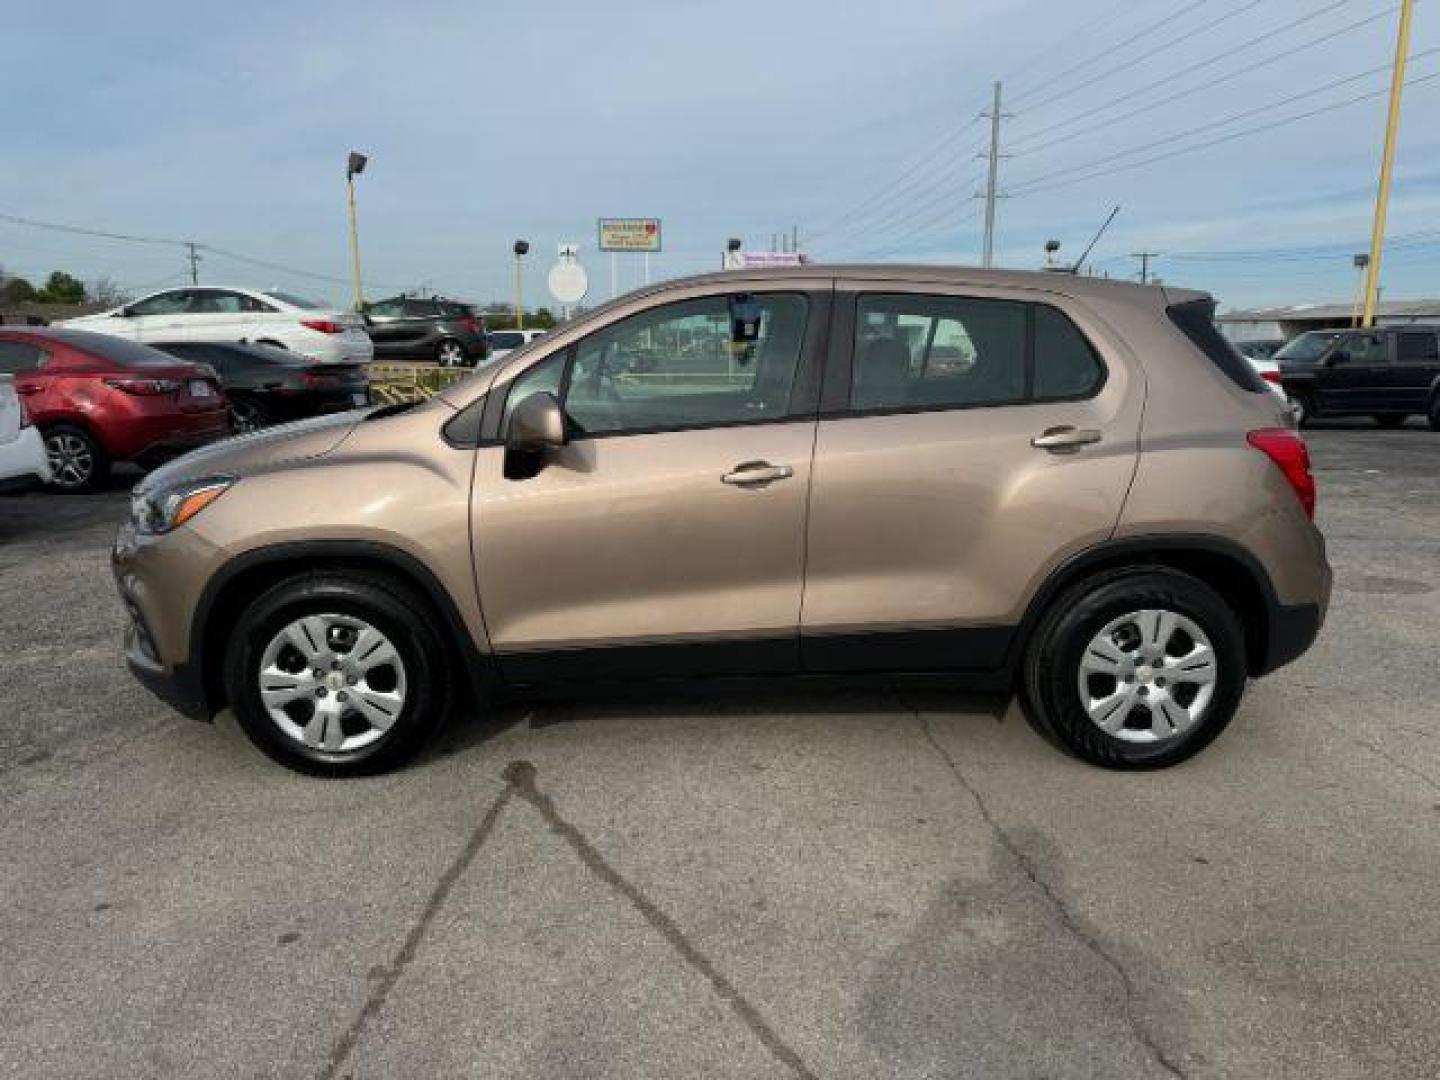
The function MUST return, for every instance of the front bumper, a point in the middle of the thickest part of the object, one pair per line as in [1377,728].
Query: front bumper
[156,641]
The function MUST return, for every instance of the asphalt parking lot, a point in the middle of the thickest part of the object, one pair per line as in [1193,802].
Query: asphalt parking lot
[827,884]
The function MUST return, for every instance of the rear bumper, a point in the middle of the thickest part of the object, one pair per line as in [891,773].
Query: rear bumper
[1294,628]
[23,461]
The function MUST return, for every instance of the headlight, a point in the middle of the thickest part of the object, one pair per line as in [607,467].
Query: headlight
[170,507]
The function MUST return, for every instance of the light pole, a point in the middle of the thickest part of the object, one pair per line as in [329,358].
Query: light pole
[353,168]
[520,249]
[1387,165]
[1362,263]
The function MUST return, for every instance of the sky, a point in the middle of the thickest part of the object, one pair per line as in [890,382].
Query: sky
[856,122]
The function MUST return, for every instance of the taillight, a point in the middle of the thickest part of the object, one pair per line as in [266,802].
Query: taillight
[325,326]
[144,387]
[1271,377]
[1288,451]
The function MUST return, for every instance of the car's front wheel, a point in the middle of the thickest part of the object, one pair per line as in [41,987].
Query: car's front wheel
[337,674]
[77,461]
[1135,669]
[247,415]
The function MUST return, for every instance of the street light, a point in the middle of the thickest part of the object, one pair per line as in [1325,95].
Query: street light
[730,258]
[521,248]
[354,166]
[1362,263]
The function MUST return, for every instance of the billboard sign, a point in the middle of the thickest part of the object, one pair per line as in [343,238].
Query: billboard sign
[760,260]
[629,234]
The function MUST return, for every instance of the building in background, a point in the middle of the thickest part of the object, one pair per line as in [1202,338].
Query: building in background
[1284,323]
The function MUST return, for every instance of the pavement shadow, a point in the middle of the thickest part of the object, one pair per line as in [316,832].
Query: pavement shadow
[711,700]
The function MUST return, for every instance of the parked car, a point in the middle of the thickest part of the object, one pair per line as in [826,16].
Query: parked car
[1390,373]
[23,461]
[410,327]
[1269,371]
[266,385]
[1104,509]
[1259,350]
[507,341]
[323,335]
[98,399]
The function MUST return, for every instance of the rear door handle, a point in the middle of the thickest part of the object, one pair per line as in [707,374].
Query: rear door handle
[1065,440]
[757,472]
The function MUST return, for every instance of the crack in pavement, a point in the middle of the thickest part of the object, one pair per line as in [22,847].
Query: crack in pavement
[1067,919]
[345,1045]
[520,777]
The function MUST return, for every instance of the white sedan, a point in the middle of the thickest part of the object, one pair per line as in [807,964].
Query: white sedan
[204,313]
[503,342]
[22,450]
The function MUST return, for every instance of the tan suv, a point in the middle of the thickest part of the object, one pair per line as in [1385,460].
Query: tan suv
[1069,487]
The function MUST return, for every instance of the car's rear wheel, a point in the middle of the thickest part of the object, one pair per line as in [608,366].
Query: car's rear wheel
[450,353]
[1302,407]
[1135,669]
[337,674]
[1432,415]
[247,414]
[1390,421]
[77,461]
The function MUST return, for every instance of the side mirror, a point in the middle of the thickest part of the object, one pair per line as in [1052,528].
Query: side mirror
[536,425]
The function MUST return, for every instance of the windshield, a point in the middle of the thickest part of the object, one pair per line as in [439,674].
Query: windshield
[1308,347]
[294,301]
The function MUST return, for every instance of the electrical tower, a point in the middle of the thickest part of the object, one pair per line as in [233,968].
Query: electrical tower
[1144,257]
[992,191]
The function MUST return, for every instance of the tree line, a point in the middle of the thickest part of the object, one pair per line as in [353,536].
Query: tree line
[60,288]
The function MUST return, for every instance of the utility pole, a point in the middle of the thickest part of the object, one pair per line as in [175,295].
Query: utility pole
[1387,163]
[1144,257]
[194,263]
[794,238]
[991,191]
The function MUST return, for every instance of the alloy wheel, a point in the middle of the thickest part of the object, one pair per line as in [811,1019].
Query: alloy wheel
[245,417]
[451,354]
[72,460]
[332,682]
[1148,676]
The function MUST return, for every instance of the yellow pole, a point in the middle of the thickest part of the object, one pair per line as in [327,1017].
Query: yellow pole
[1387,162]
[519,295]
[355,244]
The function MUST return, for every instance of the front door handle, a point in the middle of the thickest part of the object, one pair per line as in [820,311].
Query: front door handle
[1065,440]
[757,472]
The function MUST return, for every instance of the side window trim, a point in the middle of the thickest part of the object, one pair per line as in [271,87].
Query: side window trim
[838,381]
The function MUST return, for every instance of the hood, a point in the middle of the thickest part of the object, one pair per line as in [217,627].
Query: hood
[260,450]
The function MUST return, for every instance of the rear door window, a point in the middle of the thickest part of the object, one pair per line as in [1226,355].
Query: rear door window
[1418,348]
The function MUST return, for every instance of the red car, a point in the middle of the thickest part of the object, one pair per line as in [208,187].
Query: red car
[99,399]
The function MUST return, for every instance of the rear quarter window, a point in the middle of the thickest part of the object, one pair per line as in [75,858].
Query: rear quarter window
[1196,320]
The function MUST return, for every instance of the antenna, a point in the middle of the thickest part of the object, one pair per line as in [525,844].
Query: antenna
[1075,269]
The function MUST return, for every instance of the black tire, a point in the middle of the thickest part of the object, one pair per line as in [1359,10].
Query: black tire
[1432,414]
[1302,407]
[77,461]
[1050,692]
[247,414]
[390,607]
[1390,421]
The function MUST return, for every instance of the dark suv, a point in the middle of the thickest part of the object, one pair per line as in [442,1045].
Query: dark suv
[1390,373]
[415,328]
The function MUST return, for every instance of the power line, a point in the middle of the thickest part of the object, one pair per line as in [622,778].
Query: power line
[1038,183]
[191,246]
[836,223]
[1113,48]
[1248,69]
[894,214]
[926,228]
[1150,54]
[947,197]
